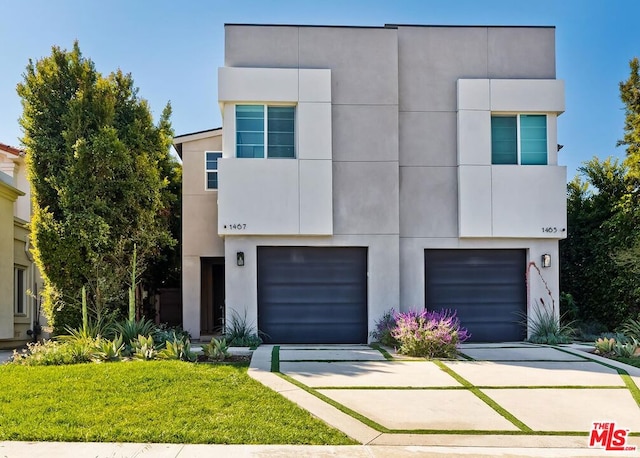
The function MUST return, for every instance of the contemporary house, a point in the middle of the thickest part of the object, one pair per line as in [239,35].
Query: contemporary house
[364,168]
[18,273]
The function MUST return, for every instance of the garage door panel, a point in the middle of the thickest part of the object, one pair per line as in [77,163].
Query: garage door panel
[312,294]
[486,287]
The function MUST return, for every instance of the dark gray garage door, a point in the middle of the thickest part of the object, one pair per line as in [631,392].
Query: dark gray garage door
[312,295]
[486,287]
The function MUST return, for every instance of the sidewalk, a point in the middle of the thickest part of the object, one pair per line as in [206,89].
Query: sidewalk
[112,450]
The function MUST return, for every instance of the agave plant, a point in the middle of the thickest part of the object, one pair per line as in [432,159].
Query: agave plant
[216,350]
[626,350]
[109,350]
[144,348]
[178,349]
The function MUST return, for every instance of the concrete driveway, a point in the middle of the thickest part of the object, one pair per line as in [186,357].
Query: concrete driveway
[499,395]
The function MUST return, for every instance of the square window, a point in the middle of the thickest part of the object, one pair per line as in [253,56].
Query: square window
[264,129]
[519,139]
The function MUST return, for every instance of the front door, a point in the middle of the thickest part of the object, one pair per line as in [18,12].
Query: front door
[212,296]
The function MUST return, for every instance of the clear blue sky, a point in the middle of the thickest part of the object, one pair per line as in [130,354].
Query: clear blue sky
[173,49]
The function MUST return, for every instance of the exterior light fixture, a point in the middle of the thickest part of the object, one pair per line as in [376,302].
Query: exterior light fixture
[240,258]
[546,260]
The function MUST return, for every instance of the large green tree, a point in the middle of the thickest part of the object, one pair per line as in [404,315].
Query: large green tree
[601,255]
[598,229]
[100,171]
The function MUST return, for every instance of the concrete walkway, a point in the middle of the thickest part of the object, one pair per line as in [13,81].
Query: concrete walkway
[519,397]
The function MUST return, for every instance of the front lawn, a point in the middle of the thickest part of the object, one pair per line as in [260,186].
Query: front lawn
[151,401]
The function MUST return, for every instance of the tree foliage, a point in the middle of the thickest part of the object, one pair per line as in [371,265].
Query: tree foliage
[601,255]
[102,180]
[598,228]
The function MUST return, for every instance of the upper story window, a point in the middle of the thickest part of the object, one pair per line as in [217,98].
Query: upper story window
[19,291]
[211,159]
[519,139]
[261,128]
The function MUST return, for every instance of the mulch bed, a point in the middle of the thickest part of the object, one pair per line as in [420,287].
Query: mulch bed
[230,359]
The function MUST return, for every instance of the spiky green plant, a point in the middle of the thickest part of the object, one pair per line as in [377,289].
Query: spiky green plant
[216,350]
[131,329]
[604,346]
[144,348]
[108,350]
[545,328]
[178,349]
[240,333]
[626,350]
[631,328]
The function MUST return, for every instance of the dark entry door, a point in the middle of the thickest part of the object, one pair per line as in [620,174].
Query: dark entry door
[211,295]
[312,295]
[486,287]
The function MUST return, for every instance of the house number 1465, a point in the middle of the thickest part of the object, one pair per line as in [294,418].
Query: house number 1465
[550,229]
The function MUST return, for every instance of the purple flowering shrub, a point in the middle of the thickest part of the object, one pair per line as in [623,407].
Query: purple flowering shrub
[430,334]
[384,327]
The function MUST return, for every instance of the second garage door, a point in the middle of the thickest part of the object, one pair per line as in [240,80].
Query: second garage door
[312,294]
[486,287]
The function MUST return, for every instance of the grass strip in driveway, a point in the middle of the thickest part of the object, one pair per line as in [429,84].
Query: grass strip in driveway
[275,358]
[628,381]
[367,421]
[484,398]
[382,350]
[152,401]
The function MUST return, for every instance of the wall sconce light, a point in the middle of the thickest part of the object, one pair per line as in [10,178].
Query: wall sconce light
[240,258]
[546,260]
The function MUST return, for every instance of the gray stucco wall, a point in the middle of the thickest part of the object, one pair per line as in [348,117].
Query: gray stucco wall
[394,130]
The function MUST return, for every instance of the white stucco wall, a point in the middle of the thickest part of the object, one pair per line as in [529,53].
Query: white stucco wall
[291,196]
[508,200]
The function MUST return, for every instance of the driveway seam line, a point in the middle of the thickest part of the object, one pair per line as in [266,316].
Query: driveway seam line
[344,409]
[624,375]
[484,398]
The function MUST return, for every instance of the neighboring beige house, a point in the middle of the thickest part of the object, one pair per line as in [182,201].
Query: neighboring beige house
[18,273]
[202,248]
[364,168]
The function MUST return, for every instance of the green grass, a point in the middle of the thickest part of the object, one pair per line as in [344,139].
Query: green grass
[154,401]
[630,361]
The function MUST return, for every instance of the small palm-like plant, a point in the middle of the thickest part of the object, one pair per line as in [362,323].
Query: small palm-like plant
[216,350]
[144,348]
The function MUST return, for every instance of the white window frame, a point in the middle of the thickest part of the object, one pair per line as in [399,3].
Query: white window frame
[20,294]
[265,129]
[518,136]
[207,171]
